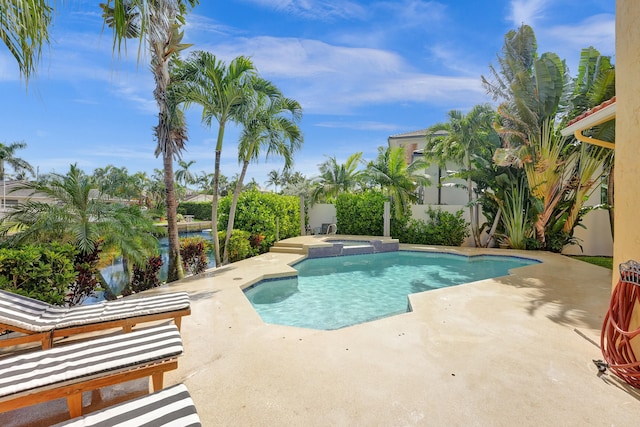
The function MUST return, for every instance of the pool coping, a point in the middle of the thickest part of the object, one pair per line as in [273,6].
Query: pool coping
[513,350]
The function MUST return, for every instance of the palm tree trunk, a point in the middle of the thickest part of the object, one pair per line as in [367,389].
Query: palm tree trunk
[214,202]
[232,211]
[175,271]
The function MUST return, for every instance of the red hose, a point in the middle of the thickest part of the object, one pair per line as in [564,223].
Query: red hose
[616,339]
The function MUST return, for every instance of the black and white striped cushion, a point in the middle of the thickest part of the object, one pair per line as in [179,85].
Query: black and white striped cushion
[170,407]
[23,312]
[36,316]
[121,309]
[69,362]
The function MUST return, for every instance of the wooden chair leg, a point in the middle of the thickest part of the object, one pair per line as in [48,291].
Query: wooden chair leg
[74,402]
[178,321]
[157,379]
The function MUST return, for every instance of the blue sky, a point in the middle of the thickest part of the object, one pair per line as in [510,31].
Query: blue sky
[362,70]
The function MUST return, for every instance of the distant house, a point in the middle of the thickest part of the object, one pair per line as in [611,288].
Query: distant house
[441,191]
[11,196]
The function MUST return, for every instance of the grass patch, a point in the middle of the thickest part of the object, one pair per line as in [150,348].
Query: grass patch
[602,261]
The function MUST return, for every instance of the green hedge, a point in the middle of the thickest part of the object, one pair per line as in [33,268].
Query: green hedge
[40,272]
[270,216]
[201,211]
[360,214]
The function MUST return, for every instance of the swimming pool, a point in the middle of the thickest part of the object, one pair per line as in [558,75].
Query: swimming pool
[335,292]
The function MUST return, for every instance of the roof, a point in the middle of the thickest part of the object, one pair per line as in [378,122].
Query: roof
[592,117]
[418,133]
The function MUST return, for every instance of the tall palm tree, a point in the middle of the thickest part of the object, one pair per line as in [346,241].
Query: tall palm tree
[266,126]
[157,25]
[467,136]
[336,178]
[397,180]
[221,91]
[24,29]
[8,158]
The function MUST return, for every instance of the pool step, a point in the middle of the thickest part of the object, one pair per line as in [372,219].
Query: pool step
[288,248]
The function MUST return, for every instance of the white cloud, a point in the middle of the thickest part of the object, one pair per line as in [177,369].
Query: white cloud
[526,11]
[332,79]
[597,31]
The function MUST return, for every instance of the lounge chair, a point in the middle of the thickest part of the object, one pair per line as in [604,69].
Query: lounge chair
[69,370]
[35,320]
[171,406]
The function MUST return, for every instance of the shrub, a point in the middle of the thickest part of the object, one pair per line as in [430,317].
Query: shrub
[38,271]
[239,244]
[360,214]
[443,228]
[193,251]
[145,277]
[273,216]
[199,210]
[86,265]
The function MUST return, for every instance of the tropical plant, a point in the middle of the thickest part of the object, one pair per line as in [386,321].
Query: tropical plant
[397,180]
[79,214]
[531,88]
[337,178]
[222,91]
[514,206]
[193,251]
[266,128]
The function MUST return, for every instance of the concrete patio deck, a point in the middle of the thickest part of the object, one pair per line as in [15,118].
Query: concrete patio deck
[515,350]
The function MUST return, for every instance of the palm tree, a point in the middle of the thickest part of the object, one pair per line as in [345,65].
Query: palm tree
[266,126]
[336,178]
[157,25]
[222,92]
[397,180]
[7,157]
[183,174]
[24,29]
[467,137]
[80,215]
[275,179]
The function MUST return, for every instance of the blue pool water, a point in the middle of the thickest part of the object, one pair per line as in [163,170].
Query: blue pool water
[334,292]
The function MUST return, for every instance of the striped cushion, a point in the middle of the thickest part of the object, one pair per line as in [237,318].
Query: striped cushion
[24,372]
[37,316]
[23,312]
[169,407]
[120,309]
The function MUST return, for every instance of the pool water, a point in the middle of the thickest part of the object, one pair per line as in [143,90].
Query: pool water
[335,292]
